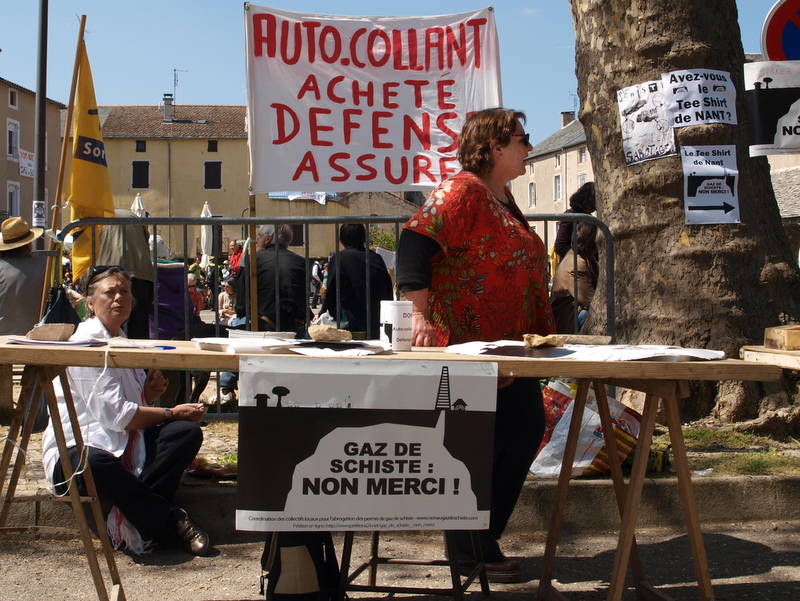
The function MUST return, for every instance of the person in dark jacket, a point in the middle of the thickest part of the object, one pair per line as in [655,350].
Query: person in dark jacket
[347,282]
[582,201]
[270,256]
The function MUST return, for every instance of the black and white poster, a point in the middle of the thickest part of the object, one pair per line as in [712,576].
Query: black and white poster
[711,183]
[772,89]
[353,444]
[646,132]
[699,96]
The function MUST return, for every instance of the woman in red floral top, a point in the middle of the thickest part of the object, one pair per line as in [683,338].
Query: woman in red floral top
[474,270]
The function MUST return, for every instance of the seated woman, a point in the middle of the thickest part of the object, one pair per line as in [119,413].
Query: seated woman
[137,452]
[562,295]
[226,302]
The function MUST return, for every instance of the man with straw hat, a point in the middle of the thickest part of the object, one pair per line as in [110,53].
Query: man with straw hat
[21,277]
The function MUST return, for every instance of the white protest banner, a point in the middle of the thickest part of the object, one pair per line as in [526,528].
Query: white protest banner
[772,90]
[340,103]
[343,444]
[27,166]
[698,96]
[711,183]
[646,132]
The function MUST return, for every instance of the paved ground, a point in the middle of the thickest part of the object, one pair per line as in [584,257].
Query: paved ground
[748,562]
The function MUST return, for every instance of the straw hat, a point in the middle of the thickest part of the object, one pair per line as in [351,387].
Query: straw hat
[16,232]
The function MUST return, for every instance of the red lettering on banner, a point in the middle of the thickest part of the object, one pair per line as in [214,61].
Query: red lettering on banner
[349,124]
[444,170]
[330,32]
[417,84]
[310,85]
[312,50]
[315,127]
[389,93]
[460,47]
[369,93]
[422,132]
[444,47]
[331,94]
[264,35]
[345,174]
[422,166]
[476,25]
[387,162]
[377,129]
[298,43]
[353,52]
[443,94]
[372,46]
[371,172]
[434,43]
[307,164]
[441,123]
[281,112]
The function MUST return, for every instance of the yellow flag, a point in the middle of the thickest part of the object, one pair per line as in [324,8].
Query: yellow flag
[89,187]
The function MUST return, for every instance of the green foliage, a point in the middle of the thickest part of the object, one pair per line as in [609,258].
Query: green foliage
[380,237]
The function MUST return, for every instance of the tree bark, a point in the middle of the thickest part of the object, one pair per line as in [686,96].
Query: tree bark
[706,286]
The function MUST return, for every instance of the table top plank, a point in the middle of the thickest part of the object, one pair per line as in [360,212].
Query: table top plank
[771,356]
[186,355]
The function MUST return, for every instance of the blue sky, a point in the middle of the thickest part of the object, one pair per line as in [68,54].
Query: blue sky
[135,46]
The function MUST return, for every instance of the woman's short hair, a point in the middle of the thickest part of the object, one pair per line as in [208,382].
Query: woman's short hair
[353,234]
[97,275]
[474,144]
[584,200]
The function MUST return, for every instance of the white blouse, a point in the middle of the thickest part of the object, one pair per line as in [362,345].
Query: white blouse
[105,402]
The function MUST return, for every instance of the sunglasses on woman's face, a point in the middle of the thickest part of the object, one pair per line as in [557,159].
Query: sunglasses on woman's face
[526,138]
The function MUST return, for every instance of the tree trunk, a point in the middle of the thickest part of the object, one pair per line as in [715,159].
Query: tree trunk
[703,286]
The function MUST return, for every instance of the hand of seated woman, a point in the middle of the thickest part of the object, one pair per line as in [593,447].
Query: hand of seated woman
[192,412]
[154,385]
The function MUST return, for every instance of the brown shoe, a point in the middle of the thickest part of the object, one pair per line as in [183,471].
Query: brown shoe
[194,538]
[502,571]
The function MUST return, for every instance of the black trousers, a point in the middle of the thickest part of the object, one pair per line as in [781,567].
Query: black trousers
[518,431]
[145,500]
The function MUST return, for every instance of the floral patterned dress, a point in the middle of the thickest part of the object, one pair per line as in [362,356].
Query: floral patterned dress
[489,280]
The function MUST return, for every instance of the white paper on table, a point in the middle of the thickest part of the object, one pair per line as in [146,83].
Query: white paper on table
[585,352]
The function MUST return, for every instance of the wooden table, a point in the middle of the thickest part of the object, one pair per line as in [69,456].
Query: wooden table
[658,379]
[771,356]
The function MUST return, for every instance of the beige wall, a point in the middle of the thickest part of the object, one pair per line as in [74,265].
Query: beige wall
[542,171]
[25,116]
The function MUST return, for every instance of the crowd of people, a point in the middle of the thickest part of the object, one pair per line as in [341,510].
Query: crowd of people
[468,261]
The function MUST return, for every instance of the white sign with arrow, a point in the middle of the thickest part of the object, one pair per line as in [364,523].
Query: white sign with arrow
[710,184]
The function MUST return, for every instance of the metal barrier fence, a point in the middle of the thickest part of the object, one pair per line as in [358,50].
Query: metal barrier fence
[393,222]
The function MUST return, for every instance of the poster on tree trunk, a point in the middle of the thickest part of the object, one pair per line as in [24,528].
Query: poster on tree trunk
[646,133]
[359,444]
[711,183]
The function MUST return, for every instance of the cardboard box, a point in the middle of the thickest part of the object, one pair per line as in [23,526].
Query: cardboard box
[786,338]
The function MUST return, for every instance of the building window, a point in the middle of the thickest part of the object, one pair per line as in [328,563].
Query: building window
[212,145]
[12,148]
[213,175]
[582,155]
[531,194]
[558,160]
[13,199]
[581,179]
[141,145]
[557,188]
[298,234]
[140,179]
[13,99]
[531,167]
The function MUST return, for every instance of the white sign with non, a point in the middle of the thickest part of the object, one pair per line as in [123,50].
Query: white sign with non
[711,182]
